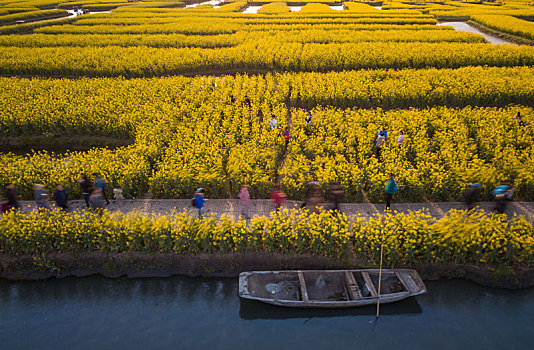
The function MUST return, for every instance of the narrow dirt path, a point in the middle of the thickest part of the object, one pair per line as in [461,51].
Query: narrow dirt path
[278,176]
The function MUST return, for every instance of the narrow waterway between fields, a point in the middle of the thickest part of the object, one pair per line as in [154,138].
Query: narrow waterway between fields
[185,313]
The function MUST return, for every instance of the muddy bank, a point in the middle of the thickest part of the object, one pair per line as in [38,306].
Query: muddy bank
[136,265]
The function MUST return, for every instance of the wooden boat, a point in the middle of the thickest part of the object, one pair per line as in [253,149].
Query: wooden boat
[329,288]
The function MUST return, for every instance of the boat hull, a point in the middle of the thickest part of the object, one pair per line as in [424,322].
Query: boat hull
[340,288]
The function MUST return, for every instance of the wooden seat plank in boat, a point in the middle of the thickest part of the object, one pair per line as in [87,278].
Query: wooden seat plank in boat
[303,289]
[408,281]
[401,278]
[352,286]
[370,284]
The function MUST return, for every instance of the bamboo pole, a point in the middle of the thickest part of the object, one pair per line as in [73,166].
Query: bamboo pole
[380,276]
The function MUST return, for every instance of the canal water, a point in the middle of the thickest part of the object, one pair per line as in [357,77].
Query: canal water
[184,313]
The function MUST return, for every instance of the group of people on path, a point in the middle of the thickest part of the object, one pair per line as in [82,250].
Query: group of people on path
[93,194]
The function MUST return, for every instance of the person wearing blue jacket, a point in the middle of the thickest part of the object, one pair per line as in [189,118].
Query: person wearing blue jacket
[391,188]
[199,201]
[502,193]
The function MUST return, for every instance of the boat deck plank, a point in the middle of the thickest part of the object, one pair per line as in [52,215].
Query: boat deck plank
[370,284]
[303,289]
[401,278]
[352,286]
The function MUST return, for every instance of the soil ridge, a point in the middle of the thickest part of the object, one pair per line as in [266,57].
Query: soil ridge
[136,265]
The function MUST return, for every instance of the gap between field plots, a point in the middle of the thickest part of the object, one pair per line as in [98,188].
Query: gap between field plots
[264,207]
[278,176]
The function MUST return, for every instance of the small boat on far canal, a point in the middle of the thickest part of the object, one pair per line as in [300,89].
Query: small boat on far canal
[330,288]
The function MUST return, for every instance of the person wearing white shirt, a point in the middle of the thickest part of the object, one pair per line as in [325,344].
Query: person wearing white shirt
[400,139]
[273,122]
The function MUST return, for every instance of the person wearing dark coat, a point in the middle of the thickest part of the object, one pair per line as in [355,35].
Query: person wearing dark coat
[61,198]
[87,187]
[11,198]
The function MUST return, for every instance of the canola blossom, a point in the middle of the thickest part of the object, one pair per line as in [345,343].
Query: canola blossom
[416,237]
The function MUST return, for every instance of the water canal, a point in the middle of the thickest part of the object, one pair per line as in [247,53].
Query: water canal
[184,313]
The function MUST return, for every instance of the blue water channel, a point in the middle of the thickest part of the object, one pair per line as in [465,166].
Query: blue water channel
[185,313]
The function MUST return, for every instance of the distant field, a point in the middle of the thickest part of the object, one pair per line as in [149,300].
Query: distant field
[163,75]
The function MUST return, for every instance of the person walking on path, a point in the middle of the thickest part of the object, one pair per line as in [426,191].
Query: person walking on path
[41,197]
[86,186]
[273,122]
[336,196]
[100,183]
[470,195]
[278,197]
[244,200]
[313,198]
[502,193]
[391,188]
[286,135]
[61,198]
[97,200]
[198,201]
[11,198]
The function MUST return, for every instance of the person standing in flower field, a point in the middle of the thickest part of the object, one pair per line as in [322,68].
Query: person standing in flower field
[400,139]
[378,145]
[520,122]
[382,132]
[198,201]
[273,122]
[308,119]
[246,101]
[61,198]
[244,199]
[391,188]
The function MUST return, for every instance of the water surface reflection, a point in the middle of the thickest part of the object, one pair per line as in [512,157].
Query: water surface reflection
[186,313]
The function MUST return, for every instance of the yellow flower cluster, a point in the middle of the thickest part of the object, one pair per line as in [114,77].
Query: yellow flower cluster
[263,55]
[227,40]
[31,16]
[507,24]
[188,133]
[444,149]
[460,237]
[274,8]
[285,232]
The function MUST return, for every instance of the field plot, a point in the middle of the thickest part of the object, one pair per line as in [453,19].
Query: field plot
[174,81]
